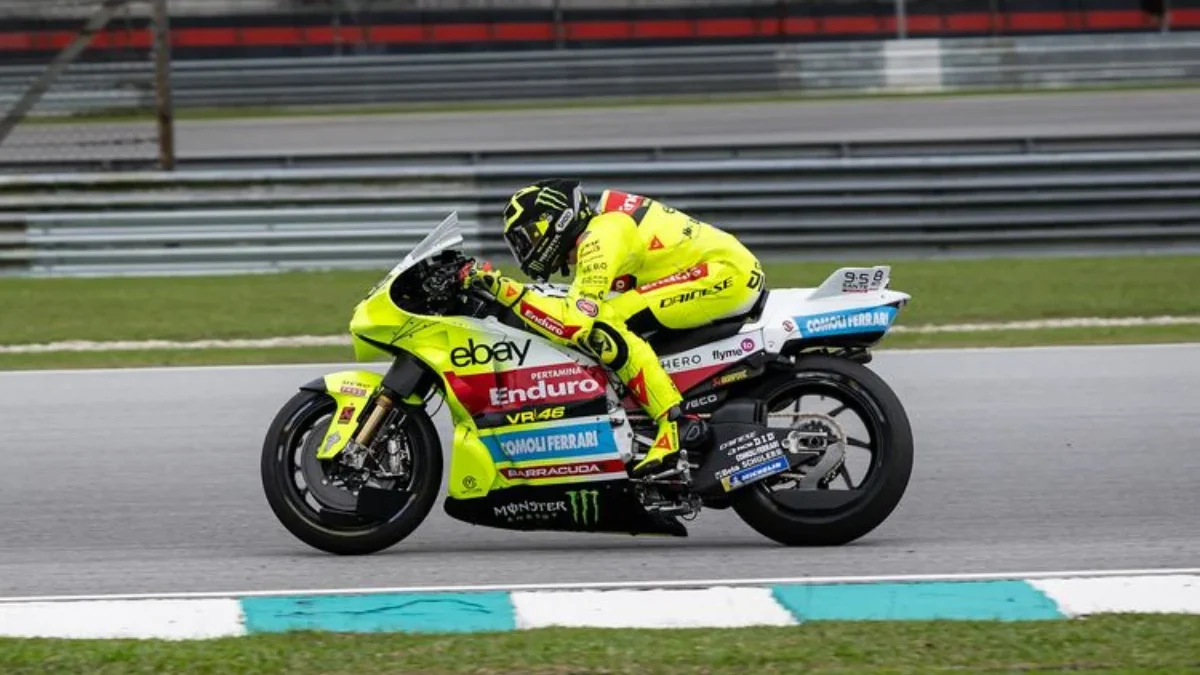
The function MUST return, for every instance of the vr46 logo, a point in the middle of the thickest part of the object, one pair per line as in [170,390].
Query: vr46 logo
[482,353]
[531,416]
[585,506]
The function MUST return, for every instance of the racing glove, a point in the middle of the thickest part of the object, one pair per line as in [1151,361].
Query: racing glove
[487,278]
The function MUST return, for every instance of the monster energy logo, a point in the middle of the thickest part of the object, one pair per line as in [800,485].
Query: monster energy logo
[552,198]
[579,506]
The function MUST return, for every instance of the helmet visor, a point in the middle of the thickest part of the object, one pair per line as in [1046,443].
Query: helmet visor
[521,238]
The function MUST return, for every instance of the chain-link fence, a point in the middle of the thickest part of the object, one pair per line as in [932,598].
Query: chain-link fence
[83,79]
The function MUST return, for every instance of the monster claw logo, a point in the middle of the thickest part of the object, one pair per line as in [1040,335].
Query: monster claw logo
[580,501]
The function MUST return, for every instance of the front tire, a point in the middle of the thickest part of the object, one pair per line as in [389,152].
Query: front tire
[761,505]
[321,515]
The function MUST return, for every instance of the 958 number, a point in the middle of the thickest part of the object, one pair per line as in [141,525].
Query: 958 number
[862,281]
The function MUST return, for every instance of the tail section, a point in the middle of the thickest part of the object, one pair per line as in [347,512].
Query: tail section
[851,280]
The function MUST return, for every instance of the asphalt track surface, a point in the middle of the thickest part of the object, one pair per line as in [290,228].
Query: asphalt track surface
[1027,460]
[817,121]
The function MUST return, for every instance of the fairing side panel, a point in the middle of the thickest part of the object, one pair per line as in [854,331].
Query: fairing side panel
[791,314]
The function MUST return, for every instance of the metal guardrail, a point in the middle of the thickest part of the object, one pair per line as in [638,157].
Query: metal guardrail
[881,65]
[274,219]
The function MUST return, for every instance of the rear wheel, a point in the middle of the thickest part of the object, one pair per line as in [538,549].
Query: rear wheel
[316,500]
[879,443]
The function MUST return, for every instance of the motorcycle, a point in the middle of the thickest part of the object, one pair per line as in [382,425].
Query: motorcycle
[544,437]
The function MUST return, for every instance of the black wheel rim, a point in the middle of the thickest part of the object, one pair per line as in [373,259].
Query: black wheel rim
[849,397]
[292,456]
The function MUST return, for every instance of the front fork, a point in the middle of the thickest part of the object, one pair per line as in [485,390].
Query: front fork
[356,391]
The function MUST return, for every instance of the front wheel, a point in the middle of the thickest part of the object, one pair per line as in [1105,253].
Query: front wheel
[833,509]
[317,500]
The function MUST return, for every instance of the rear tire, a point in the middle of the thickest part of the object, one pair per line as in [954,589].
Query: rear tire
[330,527]
[881,489]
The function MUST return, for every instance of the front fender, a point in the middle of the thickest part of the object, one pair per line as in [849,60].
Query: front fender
[351,390]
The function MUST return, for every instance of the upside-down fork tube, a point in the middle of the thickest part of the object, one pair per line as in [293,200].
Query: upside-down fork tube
[366,434]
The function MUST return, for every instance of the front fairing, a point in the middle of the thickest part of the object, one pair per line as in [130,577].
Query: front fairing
[377,323]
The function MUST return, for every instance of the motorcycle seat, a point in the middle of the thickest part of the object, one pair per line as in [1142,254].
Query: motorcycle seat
[666,341]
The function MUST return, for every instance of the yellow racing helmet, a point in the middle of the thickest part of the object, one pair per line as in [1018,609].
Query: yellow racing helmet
[542,222]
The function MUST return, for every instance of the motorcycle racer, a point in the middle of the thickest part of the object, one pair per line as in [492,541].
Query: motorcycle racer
[640,266]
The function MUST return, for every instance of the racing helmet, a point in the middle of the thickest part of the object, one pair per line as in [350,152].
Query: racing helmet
[542,222]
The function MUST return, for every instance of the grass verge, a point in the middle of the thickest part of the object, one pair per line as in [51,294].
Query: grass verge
[320,303]
[1098,645]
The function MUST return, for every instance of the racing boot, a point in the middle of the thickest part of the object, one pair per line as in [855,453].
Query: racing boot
[675,430]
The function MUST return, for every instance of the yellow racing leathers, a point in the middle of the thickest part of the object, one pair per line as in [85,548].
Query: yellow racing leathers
[638,259]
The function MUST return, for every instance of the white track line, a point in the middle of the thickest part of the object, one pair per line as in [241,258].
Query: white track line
[673,583]
[344,340]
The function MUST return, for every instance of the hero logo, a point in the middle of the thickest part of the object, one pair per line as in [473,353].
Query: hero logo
[674,363]
[479,354]
[552,387]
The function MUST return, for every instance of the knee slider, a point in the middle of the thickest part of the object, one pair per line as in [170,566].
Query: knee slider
[607,345]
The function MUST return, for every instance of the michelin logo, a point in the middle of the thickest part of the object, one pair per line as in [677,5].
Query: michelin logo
[847,321]
[755,473]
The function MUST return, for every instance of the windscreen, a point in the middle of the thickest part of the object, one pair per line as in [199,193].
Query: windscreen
[445,235]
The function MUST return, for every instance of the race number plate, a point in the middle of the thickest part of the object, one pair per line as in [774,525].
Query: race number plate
[863,279]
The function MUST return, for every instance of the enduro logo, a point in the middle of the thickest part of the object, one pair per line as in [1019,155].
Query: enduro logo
[483,353]
[509,390]
[585,506]
[558,390]
[548,323]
